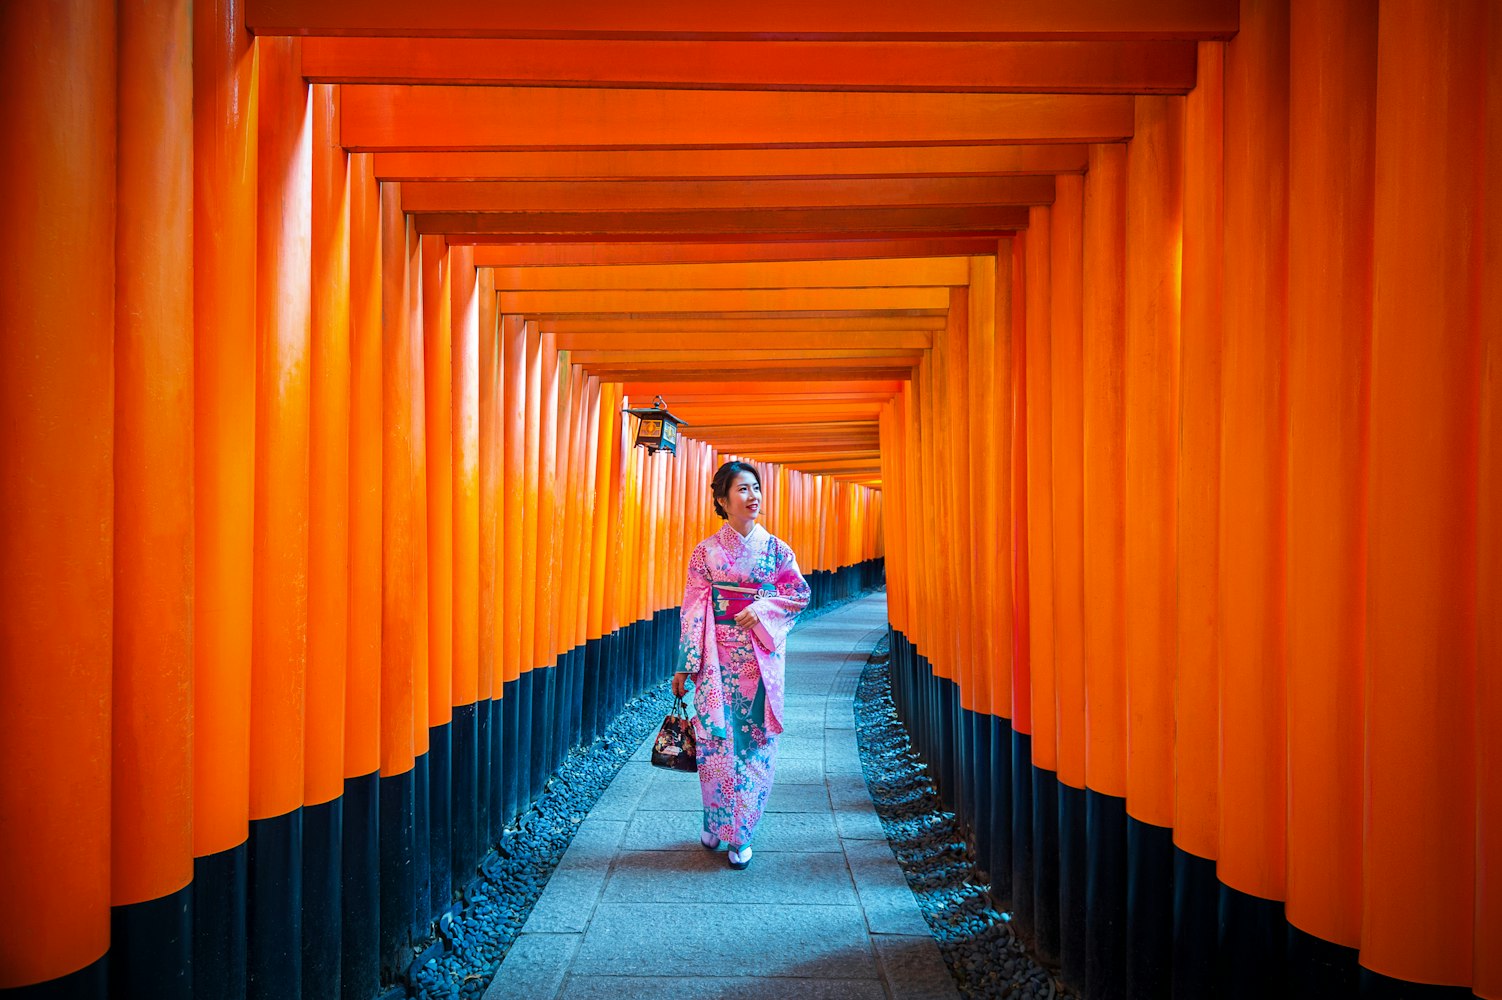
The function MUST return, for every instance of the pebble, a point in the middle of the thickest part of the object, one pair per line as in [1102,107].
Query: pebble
[984,956]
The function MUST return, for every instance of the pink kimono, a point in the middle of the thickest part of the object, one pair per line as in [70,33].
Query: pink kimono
[738,673]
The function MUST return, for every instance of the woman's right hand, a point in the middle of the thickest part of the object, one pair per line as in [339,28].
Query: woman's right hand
[680,684]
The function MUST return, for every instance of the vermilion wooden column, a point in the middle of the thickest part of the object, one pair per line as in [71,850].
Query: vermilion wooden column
[1066,302]
[984,513]
[1197,682]
[1419,851]
[280,588]
[58,94]
[1154,237]
[437,403]
[360,933]
[1253,526]
[416,333]
[151,831]
[1104,560]
[1040,490]
[545,650]
[513,420]
[225,111]
[1487,981]
[1197,699]
[328,585]
[465,416]
[1332,118]
[398,597]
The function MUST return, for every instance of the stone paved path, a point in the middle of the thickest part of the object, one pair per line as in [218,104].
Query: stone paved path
[637,910]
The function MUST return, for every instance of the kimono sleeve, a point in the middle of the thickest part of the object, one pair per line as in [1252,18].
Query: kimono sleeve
[695,608]
[776,613]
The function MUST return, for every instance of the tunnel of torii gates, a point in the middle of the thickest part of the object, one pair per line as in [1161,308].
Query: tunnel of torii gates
[1149,352]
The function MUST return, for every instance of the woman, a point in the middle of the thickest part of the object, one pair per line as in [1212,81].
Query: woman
[743,593]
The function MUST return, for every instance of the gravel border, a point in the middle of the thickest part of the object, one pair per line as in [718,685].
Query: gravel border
[978,944]
[475,937]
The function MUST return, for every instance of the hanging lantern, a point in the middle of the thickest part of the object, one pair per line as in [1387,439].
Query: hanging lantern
[658,430]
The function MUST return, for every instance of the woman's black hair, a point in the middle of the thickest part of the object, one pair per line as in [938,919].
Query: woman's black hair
[719,486]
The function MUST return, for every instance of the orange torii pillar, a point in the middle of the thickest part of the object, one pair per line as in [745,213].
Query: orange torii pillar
[151,822]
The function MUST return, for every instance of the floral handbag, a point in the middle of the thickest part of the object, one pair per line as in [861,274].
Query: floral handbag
[675,747]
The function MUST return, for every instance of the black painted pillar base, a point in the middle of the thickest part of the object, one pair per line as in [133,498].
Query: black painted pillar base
[1072,882]
[360,964]
[1251,949]
[220,886]
[440,819]
[1149,910]
[322,909]
[273,912]
[1105,896]
[151,947]
[1046,930]
[398,886]
[467,794]
[92,982]
[1023,892]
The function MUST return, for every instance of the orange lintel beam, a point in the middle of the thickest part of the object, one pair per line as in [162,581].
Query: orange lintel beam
[686,164]
[757,415]
[786,274]
[887,340]
[399,117]
[845,20]
[630,357]
[722,300]
[1083,67]
[731,387]
[723,194]
[579,254]
[788,234]
[761,324]
[743,373]
[735,223]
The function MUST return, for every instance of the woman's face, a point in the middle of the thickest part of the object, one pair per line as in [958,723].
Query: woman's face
[743,500]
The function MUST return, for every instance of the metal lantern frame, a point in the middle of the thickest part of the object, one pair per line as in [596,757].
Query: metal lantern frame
[658,428]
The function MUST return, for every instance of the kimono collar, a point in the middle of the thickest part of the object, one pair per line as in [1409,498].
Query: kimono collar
[732,541]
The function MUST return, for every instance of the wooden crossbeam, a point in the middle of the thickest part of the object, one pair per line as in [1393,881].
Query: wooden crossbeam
[901,272]
[1074,67]
[577,254]
[843,20]
[694,300]
[739,225]
[761,323]
[722,195]
[430,118]
[700,340]
[708,164]
[731,387]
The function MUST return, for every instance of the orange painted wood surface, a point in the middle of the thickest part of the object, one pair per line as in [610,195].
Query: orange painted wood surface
[798,224]
[279,607]
[565,254]
[1066,263]
[438,394]
[1253,526]
[151,816]
[378,117]
[330,433]
[1197,684]
[1420,662]
[1085,67]
[682,195]
[58,92]
[225,113]
[363,680]
[710,163]
[1151,410]
[1104,362]
[464,313]
[843,20]
[1332,121]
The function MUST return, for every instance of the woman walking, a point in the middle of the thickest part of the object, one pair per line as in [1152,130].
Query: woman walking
[743,594]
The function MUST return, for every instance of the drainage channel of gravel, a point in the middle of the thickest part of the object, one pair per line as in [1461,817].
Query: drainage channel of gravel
[984,955]
[473,940]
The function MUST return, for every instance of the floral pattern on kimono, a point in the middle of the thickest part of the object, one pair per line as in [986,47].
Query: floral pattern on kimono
[738,673]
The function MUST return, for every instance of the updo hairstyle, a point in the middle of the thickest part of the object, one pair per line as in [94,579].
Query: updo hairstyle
[719,486]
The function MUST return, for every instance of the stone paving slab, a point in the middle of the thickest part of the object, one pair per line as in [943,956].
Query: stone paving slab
[741,940]
[782,877]
[719,988]
[637,910]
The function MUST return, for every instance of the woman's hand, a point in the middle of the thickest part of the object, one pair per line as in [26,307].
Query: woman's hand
[747,619]
[680,684]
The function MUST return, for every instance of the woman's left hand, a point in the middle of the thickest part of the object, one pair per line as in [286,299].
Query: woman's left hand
[747,618]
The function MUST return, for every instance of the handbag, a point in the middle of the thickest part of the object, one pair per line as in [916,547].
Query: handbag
[675,748]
